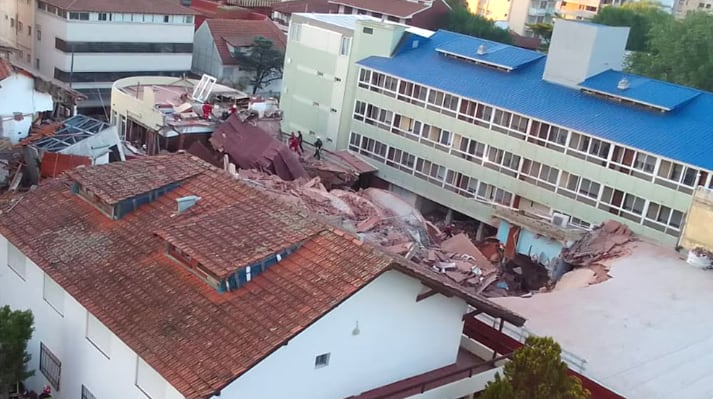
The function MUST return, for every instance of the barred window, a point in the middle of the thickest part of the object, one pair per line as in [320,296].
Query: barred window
[50,366]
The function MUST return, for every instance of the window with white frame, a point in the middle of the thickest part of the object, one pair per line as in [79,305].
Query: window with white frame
[539,174]
[50,366]
[53,294]
[623,204]
[99,335]
[461,184]
[469,149]
[364,78]
[16,260]
[663,218]
[677,176]
[354,141]
[588,148]
[549,136]
[149,381]
[490,193]
[476,113]
[503,161]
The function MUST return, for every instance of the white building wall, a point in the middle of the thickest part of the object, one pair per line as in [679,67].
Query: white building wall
[112,376]
[205,55]
[580,50]
[397,338]
[52,26]
[18,36]
[17,94]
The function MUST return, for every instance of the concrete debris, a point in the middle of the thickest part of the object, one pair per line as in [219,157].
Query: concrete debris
[577,278]
[603,242]
[383,219]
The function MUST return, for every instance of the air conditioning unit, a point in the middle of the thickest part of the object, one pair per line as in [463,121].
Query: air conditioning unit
[560,220]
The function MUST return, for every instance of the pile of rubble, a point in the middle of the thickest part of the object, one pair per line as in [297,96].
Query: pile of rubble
[381,218]
[587,256]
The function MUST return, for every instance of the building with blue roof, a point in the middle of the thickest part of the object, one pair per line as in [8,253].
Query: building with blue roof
[496,132]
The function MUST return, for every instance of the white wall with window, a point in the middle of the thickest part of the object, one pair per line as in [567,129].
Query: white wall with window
[378,336]
[71,350]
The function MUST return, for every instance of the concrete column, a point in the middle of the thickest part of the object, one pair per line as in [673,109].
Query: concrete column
[449,217]
[480,233]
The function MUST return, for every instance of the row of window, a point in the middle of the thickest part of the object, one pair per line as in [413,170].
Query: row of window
[616,157]
[115,17]
[550,178]
[121,47]
[51,368]
[83,77]
[430,171]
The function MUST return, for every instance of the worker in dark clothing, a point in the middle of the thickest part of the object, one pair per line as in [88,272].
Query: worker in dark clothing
[46,393]
[318,148]
[299,140]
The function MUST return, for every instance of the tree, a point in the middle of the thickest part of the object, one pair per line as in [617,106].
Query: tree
[463,21]
[15,331]
[536,371]
[263,60]
[641,17]
[543,31]
[681,51]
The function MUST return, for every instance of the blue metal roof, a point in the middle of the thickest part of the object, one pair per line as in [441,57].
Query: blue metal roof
[496,54]
[684,134]
[641,89]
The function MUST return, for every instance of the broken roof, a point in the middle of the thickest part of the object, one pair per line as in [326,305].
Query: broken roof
[242,32]
[118,269]
[137,6]
[397,8]
[76,129]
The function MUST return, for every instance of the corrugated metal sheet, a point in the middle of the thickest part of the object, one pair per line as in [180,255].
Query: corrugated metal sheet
[685,134]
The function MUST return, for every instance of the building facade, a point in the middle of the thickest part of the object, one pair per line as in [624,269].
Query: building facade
[218,42]
[157,322]
[17,29]
[681,8]
[584,9]
[87,45]
[516,14]
[455,120]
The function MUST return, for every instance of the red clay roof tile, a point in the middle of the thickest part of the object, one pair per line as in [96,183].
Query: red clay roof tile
[397,8]
[118,269]
[243,32]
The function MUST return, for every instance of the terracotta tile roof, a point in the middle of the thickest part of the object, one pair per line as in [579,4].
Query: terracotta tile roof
[272,228]
[115,182]
[138,6]
[242,32]
[318,6]
[5,69]
[118,270]
[397,8]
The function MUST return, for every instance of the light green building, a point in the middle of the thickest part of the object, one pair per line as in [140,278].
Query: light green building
[499,133]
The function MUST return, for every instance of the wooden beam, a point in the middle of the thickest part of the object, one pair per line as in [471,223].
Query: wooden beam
[425,295]
[472,314]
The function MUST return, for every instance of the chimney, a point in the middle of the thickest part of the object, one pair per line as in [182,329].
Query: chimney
[186,202]
[579,50]
[482,49]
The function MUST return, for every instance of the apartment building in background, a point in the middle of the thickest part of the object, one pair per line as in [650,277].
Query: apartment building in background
[682,7]
[516,14]
[130,300]
[17,29]
[488,129]
[584,9]
[87,44]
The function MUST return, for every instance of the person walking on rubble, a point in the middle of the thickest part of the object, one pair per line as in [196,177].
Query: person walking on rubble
[293,143]
[299,141]
[318,148]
